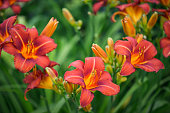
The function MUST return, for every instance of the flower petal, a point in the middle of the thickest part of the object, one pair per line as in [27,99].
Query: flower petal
[16,9]
[105,76]
[86,97]
[93,63]
[33,33]
[132,41]
[75,77]
[167,28]
[145,7]
[107,87]
[43,61]
[151,65]
[22,64]
[166,51]
[78,64]
[127,69]
[148,48]
[9,48]
[44,45]
[97,6]
[123,47]
[164,42]
[19,36]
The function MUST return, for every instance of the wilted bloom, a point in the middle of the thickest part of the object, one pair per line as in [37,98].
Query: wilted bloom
[165,42]
[50,27]
[29,49]
[128,27]
[152,21]
[38,79]
[91,77]
[11,3]
[138,55]
[134,10]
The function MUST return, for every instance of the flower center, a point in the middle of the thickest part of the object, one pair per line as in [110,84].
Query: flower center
[29,50]
[137,57]
[91,80]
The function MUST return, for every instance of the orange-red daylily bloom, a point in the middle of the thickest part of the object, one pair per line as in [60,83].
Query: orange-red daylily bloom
[98,5]
[29,49]
[164,12]
[138,55]
[5,27]
[91,77]
[134,10]
[165,42]
[11,3]
[38,79]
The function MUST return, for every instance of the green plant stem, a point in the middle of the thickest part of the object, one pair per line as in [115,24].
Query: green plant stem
[68,105]
[46,102]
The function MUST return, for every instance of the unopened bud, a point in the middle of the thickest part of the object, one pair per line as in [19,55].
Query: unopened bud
[120,59]
[50,27]
[109,69]
[51,73]
[144,19]
[68,87]
[128,27]
[99,52]
[68,16]
[152,21]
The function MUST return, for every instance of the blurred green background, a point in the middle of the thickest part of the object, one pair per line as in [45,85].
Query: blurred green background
[142,93]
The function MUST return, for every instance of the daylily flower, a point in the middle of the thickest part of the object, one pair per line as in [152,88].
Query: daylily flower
[91,77]
[138,55]
[165,42]
[164,12]
[11,3]
[29,49]
[38,79]
[134,10]
[5,27]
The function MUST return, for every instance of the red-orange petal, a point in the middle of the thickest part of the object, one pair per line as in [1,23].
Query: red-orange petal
[151,65]
[166,51]
[149,49]
[97,6]
[123,47]
[75,77]
[9,48]
[93,63]
[33,33]
[145,7]
[43,61]
[77,64]
[167,28]
[127,69]
[86,97]
[19,36]
[122,7]
[44,45]
[105,76]
[22,64]
[16,9]
[132,41]
[164,42]
[107,87]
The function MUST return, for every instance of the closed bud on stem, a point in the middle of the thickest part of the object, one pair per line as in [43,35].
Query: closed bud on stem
[99,52]
[152,21]
[51,73]
[68,16]
[139,37]
[109,69]
[120,78]
[68,87]
[128,27]
[144,19]
[87,108]
[50,27]
[78,24]
[110,42]
[120,59]
[60,80]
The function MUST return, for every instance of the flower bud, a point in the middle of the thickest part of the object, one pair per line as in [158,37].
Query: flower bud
[120,78]
[152,21]
[68,16]
[51,73]
[50,27]
[128,27]
[109,69]
[144,19]
[120,59]
[139,37]
[87,108]
[99,52]
[110,42]
[68,87]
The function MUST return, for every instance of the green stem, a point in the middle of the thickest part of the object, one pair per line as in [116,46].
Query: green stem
[68,105]
[46,102]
